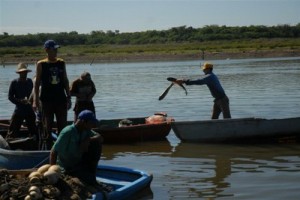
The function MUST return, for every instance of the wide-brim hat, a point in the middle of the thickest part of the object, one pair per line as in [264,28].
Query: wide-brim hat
[22,67]
[207,66]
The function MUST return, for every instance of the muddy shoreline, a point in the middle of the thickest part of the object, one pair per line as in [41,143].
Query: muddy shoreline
[104,58]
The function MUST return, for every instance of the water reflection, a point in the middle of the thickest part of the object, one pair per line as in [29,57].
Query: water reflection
[161,148]
[206,170]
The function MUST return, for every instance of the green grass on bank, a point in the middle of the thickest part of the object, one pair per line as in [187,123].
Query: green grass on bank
[9,53]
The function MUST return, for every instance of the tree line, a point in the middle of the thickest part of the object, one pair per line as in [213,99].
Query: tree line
[172,35]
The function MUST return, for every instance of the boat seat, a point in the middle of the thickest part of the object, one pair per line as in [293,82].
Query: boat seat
[27,143]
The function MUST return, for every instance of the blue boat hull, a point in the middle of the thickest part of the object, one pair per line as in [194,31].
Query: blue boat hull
[19,159]
[125,182]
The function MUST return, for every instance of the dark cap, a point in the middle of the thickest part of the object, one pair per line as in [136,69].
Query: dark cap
[88,115]
[51,44]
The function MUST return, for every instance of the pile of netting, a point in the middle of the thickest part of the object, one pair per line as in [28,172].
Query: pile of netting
[45,183]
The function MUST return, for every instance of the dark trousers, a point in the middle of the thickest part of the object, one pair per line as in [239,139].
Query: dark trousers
[87,168]
[49,110]
[221,105]
[17,121]
[83,105]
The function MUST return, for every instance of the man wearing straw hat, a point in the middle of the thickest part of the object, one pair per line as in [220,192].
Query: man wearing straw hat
[221,101]
[19,92]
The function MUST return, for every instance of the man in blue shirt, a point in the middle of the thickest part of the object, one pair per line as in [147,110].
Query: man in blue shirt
[221,101]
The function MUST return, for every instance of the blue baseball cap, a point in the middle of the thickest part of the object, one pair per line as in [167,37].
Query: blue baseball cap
[51,44]
[88,115]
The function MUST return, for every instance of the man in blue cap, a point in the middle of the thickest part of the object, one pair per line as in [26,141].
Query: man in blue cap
[51,88]
[78,148]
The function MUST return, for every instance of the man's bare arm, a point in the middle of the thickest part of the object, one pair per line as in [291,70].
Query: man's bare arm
[37,84]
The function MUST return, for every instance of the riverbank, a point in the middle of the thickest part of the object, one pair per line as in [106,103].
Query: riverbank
[156,56]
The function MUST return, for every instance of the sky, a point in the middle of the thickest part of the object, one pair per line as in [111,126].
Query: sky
[20,17]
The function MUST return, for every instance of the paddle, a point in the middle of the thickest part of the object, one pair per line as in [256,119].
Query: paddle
[7,126]
[173,80]
[4,125]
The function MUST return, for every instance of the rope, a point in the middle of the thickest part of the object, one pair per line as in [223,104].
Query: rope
[43,161]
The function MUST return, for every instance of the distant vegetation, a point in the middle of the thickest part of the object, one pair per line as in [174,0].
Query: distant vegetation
[173,35]
[181,40]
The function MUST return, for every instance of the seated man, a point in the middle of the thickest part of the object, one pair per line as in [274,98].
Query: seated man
[78,149]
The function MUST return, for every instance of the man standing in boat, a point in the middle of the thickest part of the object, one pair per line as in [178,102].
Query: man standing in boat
[221,101]
[84,89]
[19,93]
[51,79]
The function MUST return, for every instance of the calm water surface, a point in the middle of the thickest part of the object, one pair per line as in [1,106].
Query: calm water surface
[267,88]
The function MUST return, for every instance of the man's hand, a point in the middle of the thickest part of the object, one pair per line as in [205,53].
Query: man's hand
[35,105]
[84,145]
[180,81]
[24,101]
[69,103]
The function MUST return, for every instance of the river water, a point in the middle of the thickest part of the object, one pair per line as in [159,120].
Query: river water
[266,88]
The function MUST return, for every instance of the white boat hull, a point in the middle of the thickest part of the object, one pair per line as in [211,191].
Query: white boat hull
[233,130]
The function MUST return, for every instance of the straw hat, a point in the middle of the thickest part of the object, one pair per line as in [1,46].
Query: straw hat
[207,66]
[22,67]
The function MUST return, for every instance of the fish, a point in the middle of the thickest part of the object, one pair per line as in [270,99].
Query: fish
[173,80]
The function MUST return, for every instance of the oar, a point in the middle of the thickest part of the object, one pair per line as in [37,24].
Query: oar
[4,125]
[164,94]
[7,126]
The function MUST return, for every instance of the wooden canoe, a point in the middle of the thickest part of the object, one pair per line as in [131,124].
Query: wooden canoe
[246,130]
[139,129]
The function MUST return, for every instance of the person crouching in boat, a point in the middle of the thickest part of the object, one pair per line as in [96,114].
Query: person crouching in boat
[19,93]
[78,148]
[221,101]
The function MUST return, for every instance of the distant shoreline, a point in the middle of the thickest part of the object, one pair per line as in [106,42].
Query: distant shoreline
[161,57]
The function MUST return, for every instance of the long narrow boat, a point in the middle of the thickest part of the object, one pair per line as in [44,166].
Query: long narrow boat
[19,159]
[129,130]
[246,130]
[138,130]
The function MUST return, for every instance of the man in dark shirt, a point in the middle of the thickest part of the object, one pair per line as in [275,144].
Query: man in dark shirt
[221,102]
[19,93]
[52,88]
[84,89]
